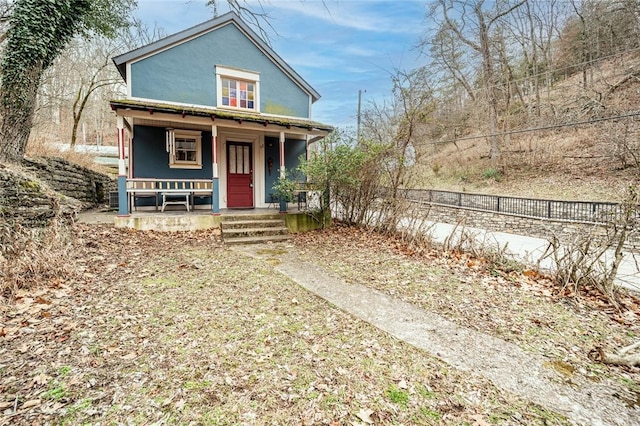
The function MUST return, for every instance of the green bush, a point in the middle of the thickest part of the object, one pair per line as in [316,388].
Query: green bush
[347,173]
[492,173]
[284,187]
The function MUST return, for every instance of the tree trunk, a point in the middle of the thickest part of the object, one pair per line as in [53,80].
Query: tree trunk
[18,102]
[487,67]
[534,58]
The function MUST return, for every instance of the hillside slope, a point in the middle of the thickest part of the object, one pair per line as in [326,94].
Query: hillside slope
[594,160]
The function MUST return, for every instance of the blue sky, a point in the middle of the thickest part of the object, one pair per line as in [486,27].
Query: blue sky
[339,46]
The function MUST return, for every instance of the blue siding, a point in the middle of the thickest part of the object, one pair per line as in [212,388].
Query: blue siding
[186,73]
[151,160]
[293,149]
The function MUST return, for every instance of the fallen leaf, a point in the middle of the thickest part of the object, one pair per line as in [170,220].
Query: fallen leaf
[41,379]
[31,403]
[365,415]
[112,348]
[478,420]
[42,301]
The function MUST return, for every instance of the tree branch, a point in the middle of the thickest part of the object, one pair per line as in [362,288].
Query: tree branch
[453,27]
[506,12]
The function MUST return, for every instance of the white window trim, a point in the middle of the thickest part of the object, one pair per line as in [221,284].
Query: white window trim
[187,134]
[237,74]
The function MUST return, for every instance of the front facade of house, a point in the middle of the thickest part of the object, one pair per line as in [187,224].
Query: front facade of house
[213,104]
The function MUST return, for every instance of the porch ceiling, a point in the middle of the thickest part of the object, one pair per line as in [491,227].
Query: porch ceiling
[201,118]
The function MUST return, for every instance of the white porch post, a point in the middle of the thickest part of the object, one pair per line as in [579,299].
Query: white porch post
[283,202]
[123,202]
[215,194]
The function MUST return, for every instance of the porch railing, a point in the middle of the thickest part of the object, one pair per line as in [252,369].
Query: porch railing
[154,188]
[159,185]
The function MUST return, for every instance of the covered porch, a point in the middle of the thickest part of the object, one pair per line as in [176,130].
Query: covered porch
[185,160]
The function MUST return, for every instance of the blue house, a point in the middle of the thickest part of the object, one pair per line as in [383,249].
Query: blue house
[212,117]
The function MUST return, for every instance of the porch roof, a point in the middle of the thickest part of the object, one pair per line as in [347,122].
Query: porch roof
[216,113]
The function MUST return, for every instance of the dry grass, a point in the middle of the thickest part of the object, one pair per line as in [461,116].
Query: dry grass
[34,236]
[561,175]
[175,329]
[39,148]
[32,257]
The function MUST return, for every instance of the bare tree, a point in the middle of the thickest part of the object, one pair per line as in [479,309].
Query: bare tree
[96,77]
[75,90]
[398,126]
[448,52]
[533,28]
[471,23]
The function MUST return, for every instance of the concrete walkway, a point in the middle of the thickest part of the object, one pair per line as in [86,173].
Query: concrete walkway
[506,365]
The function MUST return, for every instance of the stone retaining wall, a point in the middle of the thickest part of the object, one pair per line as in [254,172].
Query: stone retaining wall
[28,202]
[523,225]
[73,180]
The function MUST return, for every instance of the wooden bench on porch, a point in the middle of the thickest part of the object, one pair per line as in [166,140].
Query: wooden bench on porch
[172,191]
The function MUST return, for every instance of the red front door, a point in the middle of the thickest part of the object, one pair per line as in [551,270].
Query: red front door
[239,175]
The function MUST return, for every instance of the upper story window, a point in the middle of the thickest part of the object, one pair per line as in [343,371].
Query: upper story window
[238,88]
[237,93]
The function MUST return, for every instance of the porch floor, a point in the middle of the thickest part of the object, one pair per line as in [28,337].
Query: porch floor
[180,211]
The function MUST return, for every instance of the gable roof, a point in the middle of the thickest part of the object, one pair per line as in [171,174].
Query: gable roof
[228,18]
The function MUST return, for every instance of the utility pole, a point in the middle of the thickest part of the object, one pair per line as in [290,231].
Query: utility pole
[359,104]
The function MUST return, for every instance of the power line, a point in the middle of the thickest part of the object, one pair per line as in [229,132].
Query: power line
[537,129]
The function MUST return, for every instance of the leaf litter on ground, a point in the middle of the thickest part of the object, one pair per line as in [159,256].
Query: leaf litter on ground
[173,328]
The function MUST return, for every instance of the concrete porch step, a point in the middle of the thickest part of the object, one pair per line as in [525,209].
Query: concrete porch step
[254,231]
[244,224]
[228,217]
[255,239]
[244,229]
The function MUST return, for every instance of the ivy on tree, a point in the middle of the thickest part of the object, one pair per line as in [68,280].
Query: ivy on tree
[38,32]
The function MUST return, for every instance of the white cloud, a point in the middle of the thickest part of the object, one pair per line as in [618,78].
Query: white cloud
[359,15]
[359,51]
